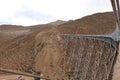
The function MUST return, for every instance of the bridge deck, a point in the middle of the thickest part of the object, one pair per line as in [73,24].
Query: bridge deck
[104,38]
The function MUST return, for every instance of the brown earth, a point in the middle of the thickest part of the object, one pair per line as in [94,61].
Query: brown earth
[101,23]
[5,37]
[56,23]
[11,27]
[9,32]
[41,50]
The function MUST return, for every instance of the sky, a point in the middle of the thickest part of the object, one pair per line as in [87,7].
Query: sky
[32,12]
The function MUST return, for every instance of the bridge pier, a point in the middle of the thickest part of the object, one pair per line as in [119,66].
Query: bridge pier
[116,70]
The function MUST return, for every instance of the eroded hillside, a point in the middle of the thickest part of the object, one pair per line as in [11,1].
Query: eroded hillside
[101,23]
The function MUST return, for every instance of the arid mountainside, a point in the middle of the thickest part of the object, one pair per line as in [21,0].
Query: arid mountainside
[56,23]
[4,37]
[101,23]
[18,52]
[9,32]
[42,48]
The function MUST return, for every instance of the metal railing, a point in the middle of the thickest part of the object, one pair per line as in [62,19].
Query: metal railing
[38,77]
